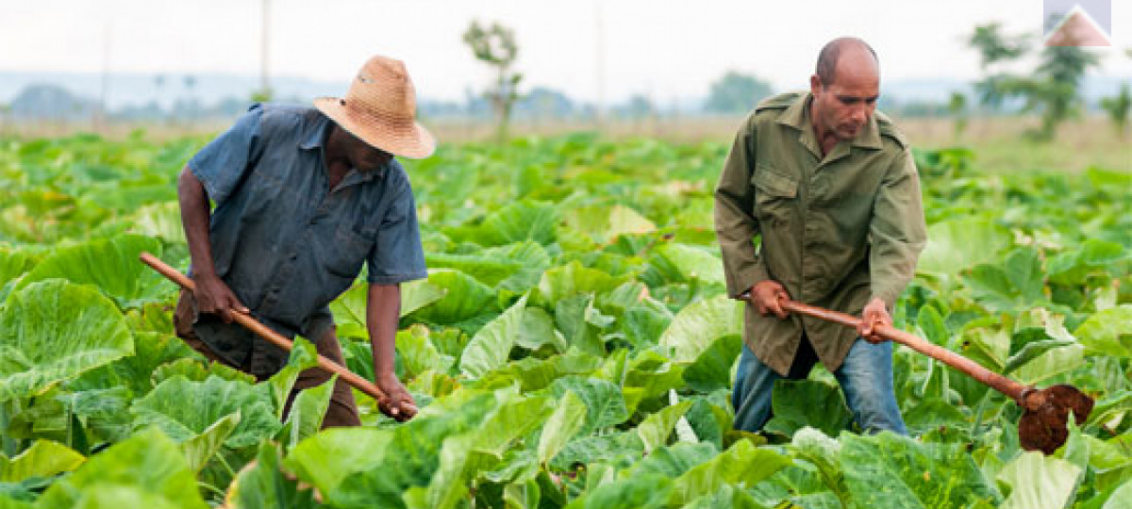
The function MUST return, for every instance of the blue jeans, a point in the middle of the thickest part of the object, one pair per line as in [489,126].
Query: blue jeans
[865,378]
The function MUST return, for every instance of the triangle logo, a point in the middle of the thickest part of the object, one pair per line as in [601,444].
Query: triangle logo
[1077,28]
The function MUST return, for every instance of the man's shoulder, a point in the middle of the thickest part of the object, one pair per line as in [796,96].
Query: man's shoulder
[889,130]
[280,118]
[778,102]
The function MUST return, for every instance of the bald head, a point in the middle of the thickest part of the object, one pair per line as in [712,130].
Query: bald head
[846,55]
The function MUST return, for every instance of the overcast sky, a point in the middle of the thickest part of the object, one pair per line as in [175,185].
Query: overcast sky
[662,48]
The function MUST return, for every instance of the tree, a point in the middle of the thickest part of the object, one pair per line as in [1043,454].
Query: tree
[496,47]
[1118,108]
[1052,89]
[957,106]
[994,47]
[736,93]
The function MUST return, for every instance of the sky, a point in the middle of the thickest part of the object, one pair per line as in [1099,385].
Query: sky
[592,49]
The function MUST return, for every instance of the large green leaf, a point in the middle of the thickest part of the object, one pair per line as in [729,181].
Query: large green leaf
[350,308]
[1108,332]
[491,347]
[567,419]
[43,459]
[109,264]
[1039,482]
[742,463]
[263,486]
[1015,283]
[693,262]
[800,403]
[464,298]
[185,409]
[325,459]
[960,243]
[603,400]
[306,413]
[201,448]
[711,371]
[148,461]
[55,330]
[698,325]
[656,428]
[639,492]
[519,221]
[573,279]
[891,471]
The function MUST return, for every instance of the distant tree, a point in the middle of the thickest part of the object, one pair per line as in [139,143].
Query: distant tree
[638,106]
[736,93]
[1118,108]
[957,106]
[545,102]
[994,47]
[496,46]
[50,102]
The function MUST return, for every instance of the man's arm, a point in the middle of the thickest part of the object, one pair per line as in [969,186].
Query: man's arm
[736,227]
[898,235]
[383,312]
[212,295]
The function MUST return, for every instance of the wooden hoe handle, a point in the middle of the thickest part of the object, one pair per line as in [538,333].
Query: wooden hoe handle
[266,333]
[996,381]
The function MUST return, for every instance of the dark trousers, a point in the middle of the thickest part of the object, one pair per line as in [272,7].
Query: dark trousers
[343,410]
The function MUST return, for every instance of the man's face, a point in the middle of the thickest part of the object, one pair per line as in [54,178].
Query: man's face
[842,108]
[363,156]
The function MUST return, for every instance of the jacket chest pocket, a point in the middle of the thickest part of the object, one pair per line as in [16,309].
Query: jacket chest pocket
[775,196]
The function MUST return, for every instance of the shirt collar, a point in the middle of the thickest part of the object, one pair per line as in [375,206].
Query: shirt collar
[313,137]
[798,117]
[314,132]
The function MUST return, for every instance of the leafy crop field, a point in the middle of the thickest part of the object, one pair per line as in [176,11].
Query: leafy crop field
[572,346]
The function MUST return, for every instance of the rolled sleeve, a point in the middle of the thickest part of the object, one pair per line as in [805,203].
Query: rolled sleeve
[897,230]
[397,256]
[223,163]
[735,223]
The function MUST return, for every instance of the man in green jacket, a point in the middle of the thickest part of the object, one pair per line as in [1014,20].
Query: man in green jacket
[830,187]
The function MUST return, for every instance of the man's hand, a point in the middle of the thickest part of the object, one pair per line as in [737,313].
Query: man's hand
[767,296]
[875,313]
[213,296]
[398,403]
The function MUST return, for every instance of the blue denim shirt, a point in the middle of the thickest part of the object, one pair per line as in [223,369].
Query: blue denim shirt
[284,242]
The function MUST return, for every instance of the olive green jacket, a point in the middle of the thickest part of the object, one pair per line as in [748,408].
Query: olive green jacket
[835,231]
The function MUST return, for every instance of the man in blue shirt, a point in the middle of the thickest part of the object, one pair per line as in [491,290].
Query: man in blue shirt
[303,196]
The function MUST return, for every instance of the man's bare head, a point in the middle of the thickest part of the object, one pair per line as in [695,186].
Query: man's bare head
[845,88]
[858,57]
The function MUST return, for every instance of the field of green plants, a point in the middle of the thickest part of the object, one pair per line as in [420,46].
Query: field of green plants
[572,347]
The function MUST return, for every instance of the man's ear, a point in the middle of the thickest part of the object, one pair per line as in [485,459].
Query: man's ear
[815,85]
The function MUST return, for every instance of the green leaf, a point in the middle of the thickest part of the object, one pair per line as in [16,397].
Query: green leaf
[148,461]
[491,347]
[567,419]
[464,298]
[1051,363]
[693,262]
[743,462]
[1108,332]
[656,428]
[698,325]
[13,264]
[643,492]
[822,452]
[957,244]
[519,221]
[824,407]
[184,409]
[573,279]
[56,330]
[1039,482]
[200,449]
[110,496]
[307,412]
[326,458]
[350,308]
[417,353]
[603,400]
[263,486]
[111,265]
[711,371]
[43,459]
[1073,267]
[538,330]
[1015,283]
[891,471]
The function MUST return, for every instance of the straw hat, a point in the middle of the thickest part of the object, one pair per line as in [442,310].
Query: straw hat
[380,109]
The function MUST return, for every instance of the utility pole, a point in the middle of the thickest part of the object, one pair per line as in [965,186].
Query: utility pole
[264,83]
[599,49]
